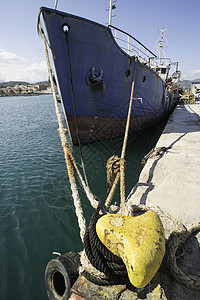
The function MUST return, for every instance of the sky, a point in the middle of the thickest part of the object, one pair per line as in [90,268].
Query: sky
[22,56]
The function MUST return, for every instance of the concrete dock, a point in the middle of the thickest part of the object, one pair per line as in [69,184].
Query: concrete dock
[170,182]
[171,179]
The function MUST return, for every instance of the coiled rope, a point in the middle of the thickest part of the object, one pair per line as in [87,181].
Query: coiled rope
[111,267]
[175,240]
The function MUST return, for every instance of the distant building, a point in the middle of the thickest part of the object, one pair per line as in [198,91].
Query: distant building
[48,90]
[25,89]
[195,86]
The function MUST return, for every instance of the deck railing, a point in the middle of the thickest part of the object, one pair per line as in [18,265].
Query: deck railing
[132,46]
[157,61]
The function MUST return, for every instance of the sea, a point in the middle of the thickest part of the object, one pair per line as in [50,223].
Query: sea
[37,215]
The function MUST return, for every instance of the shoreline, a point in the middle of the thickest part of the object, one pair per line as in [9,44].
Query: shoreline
[25,95]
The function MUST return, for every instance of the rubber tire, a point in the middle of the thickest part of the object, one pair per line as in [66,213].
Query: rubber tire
[60,275]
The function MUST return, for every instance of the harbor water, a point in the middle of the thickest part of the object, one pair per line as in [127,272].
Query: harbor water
[37,214]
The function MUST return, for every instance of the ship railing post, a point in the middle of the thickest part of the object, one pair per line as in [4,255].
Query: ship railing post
[128,41]
[148,59]
[139,52]
[115,34]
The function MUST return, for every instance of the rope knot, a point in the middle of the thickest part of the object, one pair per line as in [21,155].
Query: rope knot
[113,167]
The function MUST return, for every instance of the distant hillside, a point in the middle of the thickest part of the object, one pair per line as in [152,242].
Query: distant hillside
[13,83]
[187,83]
[42,83]
[196,80]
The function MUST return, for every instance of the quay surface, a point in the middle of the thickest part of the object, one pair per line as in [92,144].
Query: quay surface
[170,181]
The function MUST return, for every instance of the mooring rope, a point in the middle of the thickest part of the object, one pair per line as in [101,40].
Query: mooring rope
[113,167]
[152,153]
[75,113]
[176,238]
[69,159]
[121,175]
[94,202]
[122,162]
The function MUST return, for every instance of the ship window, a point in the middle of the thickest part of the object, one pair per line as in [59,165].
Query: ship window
[163,71]
[157,69]
[143,78]
[65,28]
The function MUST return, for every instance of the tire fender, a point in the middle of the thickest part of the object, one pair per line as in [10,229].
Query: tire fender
[60,275]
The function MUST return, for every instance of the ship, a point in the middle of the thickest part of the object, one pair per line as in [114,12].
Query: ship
[94,67]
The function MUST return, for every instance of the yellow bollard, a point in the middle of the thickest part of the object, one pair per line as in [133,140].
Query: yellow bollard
[139,241]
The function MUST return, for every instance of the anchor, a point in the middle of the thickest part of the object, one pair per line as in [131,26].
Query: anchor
[94,79]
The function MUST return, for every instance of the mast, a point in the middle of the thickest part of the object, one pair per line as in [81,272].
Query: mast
[161,46]
[55,5]
[111,7]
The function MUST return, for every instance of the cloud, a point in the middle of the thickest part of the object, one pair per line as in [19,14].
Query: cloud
[36,72]
[16,68]
[191,75]
[9,57]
